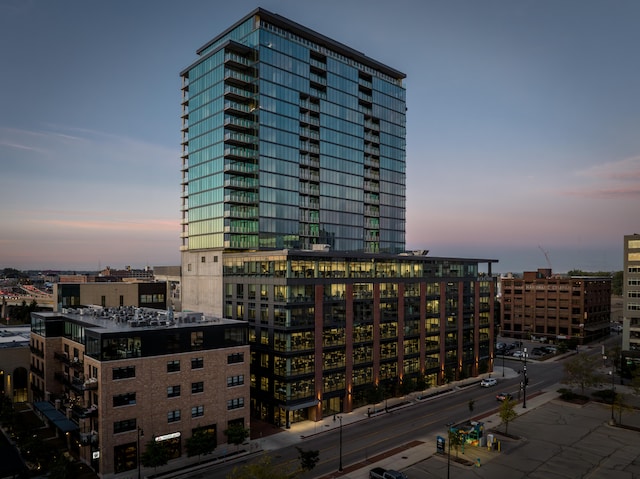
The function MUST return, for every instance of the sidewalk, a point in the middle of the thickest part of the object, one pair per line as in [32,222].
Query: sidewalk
[302,430]
[422,451]
[425,447]
[406,458]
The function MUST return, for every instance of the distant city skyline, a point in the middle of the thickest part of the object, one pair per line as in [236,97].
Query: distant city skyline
[526,109]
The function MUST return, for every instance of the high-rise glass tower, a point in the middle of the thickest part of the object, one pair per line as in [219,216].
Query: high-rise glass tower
[290,139]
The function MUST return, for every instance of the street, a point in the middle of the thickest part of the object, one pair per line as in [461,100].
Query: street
[420,420]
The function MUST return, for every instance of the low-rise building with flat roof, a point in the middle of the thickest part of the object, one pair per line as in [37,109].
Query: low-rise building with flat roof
[546,307]
[115,378]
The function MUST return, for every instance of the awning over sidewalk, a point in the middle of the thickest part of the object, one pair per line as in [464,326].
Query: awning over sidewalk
[295,407]
[58,419]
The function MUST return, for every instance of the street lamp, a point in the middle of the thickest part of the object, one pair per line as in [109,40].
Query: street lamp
[503,363]
[340,463]
[524,387]
[613,392]
[449,452]
[140,434]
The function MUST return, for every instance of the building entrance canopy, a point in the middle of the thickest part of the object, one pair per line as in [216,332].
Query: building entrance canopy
[58,419]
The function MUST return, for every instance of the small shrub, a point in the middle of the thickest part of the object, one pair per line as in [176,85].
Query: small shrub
[569,396]
[566,394]
[605,395]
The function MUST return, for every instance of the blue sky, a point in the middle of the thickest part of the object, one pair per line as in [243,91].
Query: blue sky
[523,124]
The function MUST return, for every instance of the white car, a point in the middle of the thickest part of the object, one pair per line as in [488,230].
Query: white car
[518,354]
[488,382]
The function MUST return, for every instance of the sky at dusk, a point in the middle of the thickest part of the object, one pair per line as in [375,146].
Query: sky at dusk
[523,124]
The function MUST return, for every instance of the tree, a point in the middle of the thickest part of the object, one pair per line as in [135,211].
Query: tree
[35,451]
[61,468]
[615,354]
[581,370]
[236,434]
[620,405]
[22,313]
[449,374]
[261,469]
[408,385]
[7,413]
[635,382]
[507,413]
[201,442]
[456,439]
[13,273]
[616,283]
[155,454]
[374,394]
[421,383]
[308,459]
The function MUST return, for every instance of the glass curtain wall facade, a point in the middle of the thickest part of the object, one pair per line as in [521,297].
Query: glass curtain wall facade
[291,139]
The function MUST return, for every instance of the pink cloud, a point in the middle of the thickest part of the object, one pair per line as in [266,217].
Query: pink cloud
[111,226]
[612,180]
[632,191]
[627,169]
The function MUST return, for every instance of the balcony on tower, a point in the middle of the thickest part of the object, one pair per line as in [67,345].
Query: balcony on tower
[373,186]
[239,138]
[240,211]
[240,124]
[239,197]
[311,161]
[237,108]
[241,183]
[241,167]
[240,153]
[309,175]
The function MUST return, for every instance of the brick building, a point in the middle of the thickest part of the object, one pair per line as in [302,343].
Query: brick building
[549,307]
[327,328]
[113,378]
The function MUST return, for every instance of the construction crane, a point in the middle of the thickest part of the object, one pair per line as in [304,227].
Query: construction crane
[546,255]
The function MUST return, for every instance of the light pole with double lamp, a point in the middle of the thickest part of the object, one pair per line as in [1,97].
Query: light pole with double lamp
[140,434]
[525,380]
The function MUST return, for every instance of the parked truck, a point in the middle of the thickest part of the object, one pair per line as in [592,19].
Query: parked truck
[380,473]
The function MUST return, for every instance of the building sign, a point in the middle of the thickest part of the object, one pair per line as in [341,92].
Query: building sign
[166,437]
[440,444]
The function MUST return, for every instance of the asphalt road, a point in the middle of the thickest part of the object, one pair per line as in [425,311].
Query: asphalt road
[365,439]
